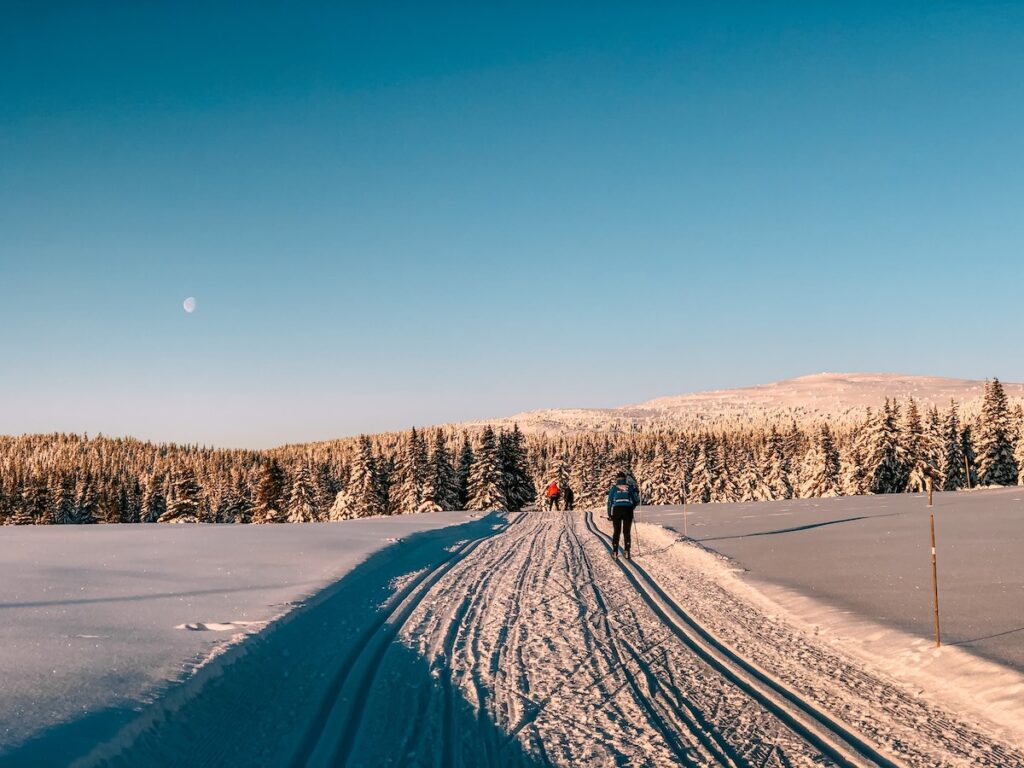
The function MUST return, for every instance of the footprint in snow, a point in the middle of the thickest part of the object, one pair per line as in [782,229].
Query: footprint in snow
[216,626]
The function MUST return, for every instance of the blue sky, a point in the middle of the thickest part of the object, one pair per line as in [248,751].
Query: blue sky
[409,215]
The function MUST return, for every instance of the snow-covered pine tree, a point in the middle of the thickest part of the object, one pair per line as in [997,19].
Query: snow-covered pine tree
[954,471]
[412,472]
[361,495]
[85,500]
[184,506]
[704,474]
[682,460]
[855,474]
[485,477]
[325,489]
[933,440]
[967,447]
[888,466]
[823,475]
[996,462]
[36,498]
[516,485]
[777,467]
[912,434]
[302,499]
[62,500]
[384,481]
[442,491]
[463,470]
[657,482]
[725,488]
[268,495]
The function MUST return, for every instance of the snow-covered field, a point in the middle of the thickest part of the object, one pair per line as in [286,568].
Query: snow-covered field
[517,640]
[871,556]
[97,619]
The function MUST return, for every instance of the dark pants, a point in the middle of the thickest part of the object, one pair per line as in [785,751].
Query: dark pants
[622,522]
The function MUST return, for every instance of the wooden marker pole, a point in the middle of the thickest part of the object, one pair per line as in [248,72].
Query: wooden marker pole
[930,484]
[935,582]
[685,532]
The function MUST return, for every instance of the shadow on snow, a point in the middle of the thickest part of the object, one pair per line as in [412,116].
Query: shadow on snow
[253,705]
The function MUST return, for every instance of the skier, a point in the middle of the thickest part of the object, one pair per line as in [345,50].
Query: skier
[552,494]
[569,498]
[623,498]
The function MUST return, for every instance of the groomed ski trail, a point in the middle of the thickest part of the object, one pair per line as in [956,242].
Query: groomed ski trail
[543,636]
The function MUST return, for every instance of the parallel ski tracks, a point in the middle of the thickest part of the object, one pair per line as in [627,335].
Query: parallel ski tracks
[333,731]
[814,726]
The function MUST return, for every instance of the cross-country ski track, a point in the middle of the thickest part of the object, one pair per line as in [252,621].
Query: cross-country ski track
[525,644]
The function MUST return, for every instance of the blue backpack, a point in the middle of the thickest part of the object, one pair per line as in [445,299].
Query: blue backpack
[623,496]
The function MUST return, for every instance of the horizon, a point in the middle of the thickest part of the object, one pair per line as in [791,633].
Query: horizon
[496,419]
[396,216]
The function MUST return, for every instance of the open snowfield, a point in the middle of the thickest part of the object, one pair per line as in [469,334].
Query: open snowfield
[870,555]
[94,619]
[515,640]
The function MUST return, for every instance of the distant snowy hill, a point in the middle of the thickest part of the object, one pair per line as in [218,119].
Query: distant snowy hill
[815,396]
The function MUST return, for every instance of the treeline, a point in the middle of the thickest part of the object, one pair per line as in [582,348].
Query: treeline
[53,479]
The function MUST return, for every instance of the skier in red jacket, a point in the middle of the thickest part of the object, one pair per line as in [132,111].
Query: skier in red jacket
[552,495]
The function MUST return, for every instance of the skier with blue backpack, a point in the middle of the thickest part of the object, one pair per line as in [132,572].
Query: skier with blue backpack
[623,498]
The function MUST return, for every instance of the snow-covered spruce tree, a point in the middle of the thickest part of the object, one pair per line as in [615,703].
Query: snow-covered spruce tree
[269,494]
[463,470]
[62,501]
[921,443]
[888,466]
[855,474]
[36,499]
[302,499]
[823,475]
[682,461]
[967,446]
[1019,456]
[725,488]
[85,500]
[912,434]
[411,472]
[659,484]
[996,462]
[325,488]
[153,502]
[934,441]
[516,485]
[485,476]
[702,479]
[442,491]
[777,467]
[954,471]
[184,506]
[750,483]
[361,495]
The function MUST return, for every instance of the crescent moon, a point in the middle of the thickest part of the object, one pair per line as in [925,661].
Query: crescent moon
[190,304]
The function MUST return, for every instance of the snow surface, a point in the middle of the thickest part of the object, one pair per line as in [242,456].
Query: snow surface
[516,640]
[871,555]
[98,619]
